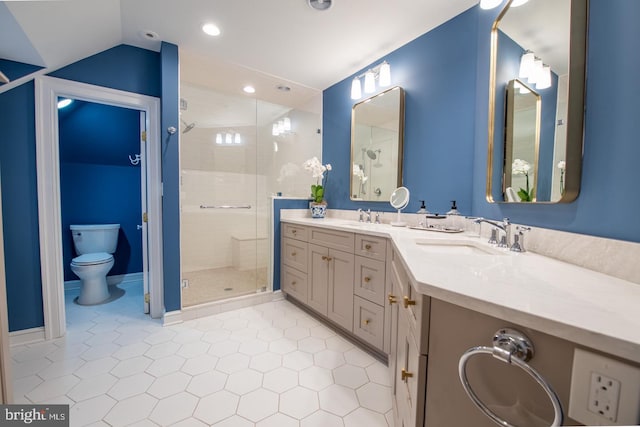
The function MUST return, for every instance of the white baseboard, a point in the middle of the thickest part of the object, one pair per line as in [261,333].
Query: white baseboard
[172,318]
[26,336]
[118,279]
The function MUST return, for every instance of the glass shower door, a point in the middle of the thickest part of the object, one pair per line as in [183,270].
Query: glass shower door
[220,234]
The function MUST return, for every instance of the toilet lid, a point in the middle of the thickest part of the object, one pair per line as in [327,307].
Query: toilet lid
[92,259]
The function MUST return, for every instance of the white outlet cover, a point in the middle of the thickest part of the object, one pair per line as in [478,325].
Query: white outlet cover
[584,364]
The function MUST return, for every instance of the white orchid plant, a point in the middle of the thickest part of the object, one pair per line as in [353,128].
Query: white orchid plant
[320,172]
[522,167]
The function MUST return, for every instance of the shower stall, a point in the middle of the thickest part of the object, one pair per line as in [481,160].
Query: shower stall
[232,162]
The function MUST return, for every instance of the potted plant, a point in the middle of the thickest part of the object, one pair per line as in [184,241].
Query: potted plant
[320,172]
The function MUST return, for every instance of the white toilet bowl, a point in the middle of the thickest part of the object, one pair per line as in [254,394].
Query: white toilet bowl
[92,270]
[94,243]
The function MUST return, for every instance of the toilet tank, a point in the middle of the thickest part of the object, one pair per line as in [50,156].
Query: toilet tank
[95,238]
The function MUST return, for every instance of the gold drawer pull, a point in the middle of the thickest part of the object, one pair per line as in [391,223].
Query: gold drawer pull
[392,299]
[294,253]
[294,283]
[294,231]
[367,321]
[404,375]
[408,302]
[367,279]
[367,247]
[326,258]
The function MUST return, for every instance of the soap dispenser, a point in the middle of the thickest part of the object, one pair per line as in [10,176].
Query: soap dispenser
[453,217]
[423,208]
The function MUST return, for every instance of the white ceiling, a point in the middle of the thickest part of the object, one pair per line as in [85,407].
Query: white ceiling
[284,40]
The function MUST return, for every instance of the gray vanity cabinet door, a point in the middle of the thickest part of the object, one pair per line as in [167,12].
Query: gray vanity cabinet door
[340,292]
[318,276]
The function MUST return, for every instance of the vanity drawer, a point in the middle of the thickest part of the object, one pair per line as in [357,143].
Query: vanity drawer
[340,240]
[368,321]
[294,231]
[370,279]
[371,246]
[294,283]
[294,254]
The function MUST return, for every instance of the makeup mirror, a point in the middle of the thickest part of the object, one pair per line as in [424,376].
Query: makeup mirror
[399,200]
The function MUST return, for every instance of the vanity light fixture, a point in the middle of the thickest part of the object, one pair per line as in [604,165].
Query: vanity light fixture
[534,70]
[281,127]
[228,138]
[219,138]
[382,72]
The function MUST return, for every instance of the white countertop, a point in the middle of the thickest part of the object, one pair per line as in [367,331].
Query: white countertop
[551,296]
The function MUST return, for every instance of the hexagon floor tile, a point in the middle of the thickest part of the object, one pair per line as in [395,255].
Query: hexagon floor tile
[267,365]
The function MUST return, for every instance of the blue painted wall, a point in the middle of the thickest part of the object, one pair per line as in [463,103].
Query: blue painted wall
[98,183]
[14,70]
[122,67]
[437,71]
[277,205]
[446,76]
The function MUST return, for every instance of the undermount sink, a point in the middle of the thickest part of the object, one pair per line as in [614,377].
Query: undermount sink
[456,247]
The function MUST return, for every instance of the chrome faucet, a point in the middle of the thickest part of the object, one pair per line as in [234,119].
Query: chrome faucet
[505,226]
[361,218]
[368,213]
[518,239]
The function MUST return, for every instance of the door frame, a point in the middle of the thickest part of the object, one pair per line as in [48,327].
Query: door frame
[47,91]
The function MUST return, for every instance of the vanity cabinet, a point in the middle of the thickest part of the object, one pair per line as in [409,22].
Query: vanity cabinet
[341,276]
[409,340]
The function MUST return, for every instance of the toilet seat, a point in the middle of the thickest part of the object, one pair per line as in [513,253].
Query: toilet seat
[97,258]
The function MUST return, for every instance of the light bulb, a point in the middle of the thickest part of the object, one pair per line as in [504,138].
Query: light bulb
[218,138]
[287,124]
[535,71]
[489,4]
[526,64]
[356,89]
[385,74]
[227,138]
[544,79]
[369,82]
[237,139]
[64,103]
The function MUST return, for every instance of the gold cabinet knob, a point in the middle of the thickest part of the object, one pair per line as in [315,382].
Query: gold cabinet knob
[408,302]
[392,299]
[326,258]
[367,279]
[294,283]
[294,231]
[294,253]
[404,375]
[366,321]
[367,247]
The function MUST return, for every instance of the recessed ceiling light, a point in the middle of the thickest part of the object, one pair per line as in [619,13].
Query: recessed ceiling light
[249,89]
[211,29]
[320,4]
[149,35]
[64,103]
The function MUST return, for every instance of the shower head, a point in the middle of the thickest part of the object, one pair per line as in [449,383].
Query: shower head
[187,127]
[371,154]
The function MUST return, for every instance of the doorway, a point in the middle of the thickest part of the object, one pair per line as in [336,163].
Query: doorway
[48,90]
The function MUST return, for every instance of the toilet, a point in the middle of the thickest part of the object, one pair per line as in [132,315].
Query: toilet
[94,245]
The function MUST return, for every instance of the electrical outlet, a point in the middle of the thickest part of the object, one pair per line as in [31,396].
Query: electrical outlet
[604,396]
[604,391]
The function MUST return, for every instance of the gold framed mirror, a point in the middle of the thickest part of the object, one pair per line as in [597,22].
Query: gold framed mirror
[552,35]
[377,134]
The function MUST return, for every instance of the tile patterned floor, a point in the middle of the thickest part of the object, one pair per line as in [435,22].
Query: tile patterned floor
[267,365]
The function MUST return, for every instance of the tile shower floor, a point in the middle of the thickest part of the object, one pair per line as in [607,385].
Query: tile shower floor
[266,365]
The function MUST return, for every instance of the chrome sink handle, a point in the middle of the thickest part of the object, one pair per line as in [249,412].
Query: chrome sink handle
[518,239]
